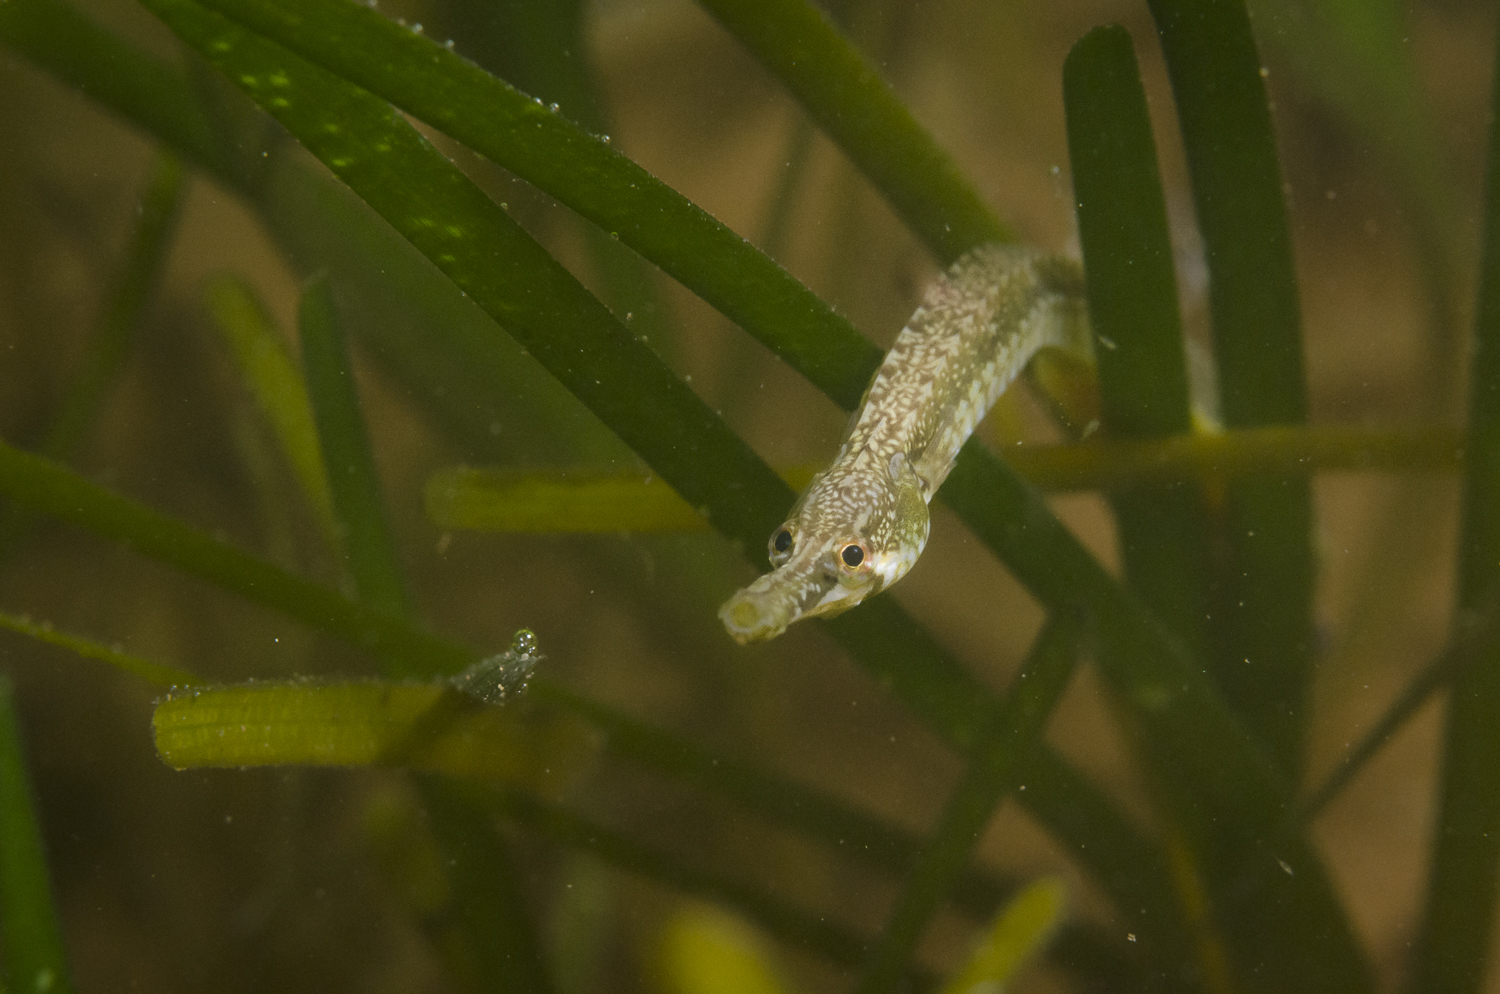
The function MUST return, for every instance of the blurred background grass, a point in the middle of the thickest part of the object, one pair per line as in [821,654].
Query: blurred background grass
[306,879]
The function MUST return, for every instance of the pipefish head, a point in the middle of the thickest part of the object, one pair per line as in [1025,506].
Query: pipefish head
[856,530]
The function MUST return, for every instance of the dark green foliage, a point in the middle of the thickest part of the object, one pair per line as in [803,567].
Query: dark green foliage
[1204,649]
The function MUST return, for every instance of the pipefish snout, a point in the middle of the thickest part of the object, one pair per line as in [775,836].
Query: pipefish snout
[861,523]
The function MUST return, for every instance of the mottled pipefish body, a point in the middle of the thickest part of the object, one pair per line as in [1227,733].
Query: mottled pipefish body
[862,522]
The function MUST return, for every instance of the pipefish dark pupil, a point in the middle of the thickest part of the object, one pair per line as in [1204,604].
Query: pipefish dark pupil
[853,555]
[783,541]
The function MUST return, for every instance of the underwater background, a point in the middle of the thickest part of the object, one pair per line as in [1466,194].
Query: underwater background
[661,809]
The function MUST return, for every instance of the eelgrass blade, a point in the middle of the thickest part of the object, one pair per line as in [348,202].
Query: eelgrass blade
[549,501]
[270,374]
[796,926]
[1018,934]
[581,170]
[703,950]
[145,669]
[1475,637]
[543,49]
[998,757]
[35,958]
[423,726]
[1110,464]
[143,89]
[54,490]
[364,538]
[476,384]
[1453,946]
[200,737]
[494,925]
[588,499]
[1162,532]
[487,892]
[472,239]
[1265,614]
[843,92]
[124,306]
[1223,791]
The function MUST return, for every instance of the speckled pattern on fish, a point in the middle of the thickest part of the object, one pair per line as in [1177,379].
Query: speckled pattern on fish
[863,521]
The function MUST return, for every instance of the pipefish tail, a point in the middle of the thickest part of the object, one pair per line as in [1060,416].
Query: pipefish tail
[862,522]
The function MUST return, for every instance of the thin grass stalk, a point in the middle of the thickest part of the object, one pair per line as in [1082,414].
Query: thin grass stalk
[145,669]
[368,548]
[1453,944]
[35,956]
[56,491]
[996,760]
[123,309]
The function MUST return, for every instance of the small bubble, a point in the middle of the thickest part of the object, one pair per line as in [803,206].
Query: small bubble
[448,44]
[524,642]
[416,28]
[604,139]
[554,108]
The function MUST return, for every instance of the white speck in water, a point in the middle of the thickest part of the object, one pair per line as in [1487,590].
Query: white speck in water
[1129,936]
[416,28]
[604,139]
[554,108]
[448,44]
[1107,342]
[1286,867]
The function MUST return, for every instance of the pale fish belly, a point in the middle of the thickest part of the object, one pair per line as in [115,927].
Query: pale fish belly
[861,523]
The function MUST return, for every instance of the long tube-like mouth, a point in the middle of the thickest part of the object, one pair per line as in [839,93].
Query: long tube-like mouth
[757,615]
[764,609]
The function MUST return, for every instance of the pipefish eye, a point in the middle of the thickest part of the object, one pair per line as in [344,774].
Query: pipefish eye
[853,555]
[782,543]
